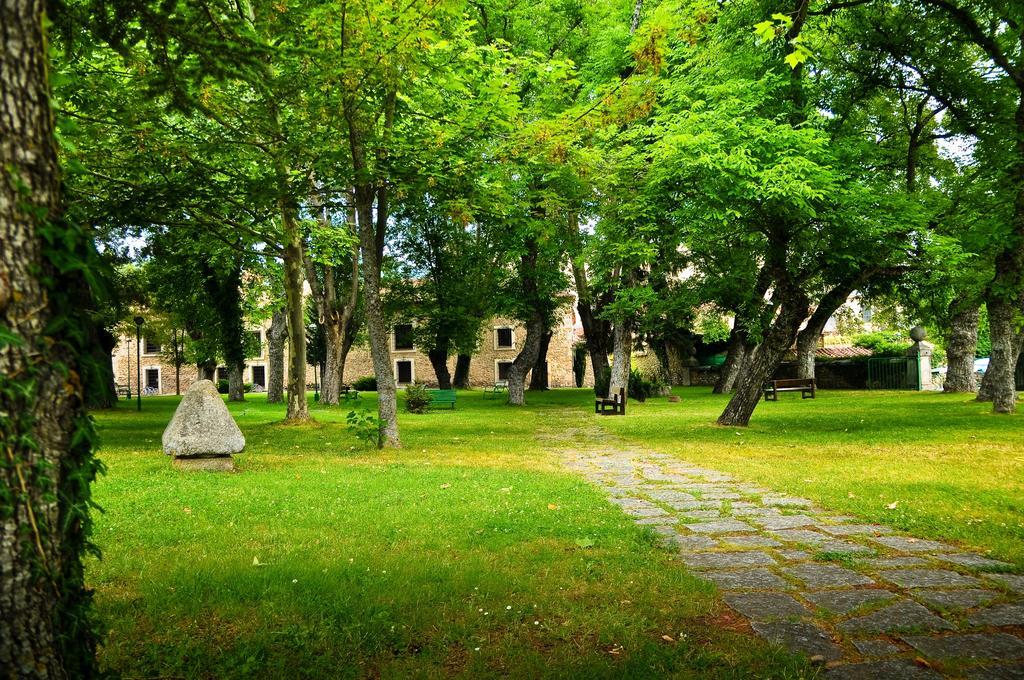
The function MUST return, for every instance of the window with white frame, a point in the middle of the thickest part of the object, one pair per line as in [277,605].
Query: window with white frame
[504,338]
[150,346]
[403,340]
[405,371]
[501,369]
[259,376]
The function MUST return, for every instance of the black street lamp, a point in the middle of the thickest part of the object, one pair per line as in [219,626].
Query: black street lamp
[138,360]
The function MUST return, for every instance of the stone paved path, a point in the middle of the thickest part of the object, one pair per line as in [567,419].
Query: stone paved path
[858,598]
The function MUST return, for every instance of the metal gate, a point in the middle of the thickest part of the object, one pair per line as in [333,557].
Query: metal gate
[894,373]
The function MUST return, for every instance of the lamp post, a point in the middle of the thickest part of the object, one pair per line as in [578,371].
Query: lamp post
[138,361]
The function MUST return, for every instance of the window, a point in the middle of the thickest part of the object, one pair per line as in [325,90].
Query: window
[257,343]
[259,376]
[501,369]
[403,337]
[151,346]
[503,338]
[153,379]
[222,373]
[404,372]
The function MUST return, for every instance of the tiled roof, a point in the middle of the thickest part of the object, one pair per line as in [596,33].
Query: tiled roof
[842,352]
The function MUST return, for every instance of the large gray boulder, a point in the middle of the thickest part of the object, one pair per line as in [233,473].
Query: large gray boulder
[202,428]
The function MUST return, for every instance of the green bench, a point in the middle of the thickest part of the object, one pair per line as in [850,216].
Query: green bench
[440,397]
[498,388]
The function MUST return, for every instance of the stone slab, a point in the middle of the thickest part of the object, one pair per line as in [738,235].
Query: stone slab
[1014,582]
[846,547]
[997,672]
[804,638]
[903,615]
[855,529]
[785,502]
[955,599]
[891,562]
[747,579]
[653,511]
[827,576]
[973,561]
[928,578]
[795,555]
[693,543]
[845,601]
[912,545]
[751,541]
[999,615]
[723,526]
[727,560]
[775,523]
[968,646]
[874,649]
[800,536]
[882,670]
[767,606]
[210,464]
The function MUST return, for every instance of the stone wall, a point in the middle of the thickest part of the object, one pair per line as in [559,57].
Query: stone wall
[483,368]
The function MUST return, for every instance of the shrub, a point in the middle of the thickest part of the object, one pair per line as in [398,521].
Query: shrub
[579,363]
[222,386]
[366,427]
[640,388]
[417,398]
[884,343]
[247,387]
[368,383]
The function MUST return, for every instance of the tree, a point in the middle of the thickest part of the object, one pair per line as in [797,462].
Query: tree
[332,270]
[46,623]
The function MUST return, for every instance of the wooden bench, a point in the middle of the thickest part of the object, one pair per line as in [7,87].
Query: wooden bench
[616,406]
[439,397]
[348,393]
[123,391]
[805,386]
[498,387]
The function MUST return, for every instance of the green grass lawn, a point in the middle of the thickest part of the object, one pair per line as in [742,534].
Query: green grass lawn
[468,552]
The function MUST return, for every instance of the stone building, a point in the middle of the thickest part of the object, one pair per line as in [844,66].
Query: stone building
[500,342]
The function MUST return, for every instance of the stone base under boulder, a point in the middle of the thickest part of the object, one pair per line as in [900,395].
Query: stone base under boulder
[206,464]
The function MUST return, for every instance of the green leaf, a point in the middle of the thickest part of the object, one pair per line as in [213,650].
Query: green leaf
[765,31]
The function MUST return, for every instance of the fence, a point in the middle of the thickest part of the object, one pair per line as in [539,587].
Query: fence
[894,373]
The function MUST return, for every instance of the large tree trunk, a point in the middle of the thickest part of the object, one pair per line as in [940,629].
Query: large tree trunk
[276,336]
[961,344]
[380,352]
[999,382]
[807,340]
[595,331]
[622,352]
[740,346]
[765,359]
[236,384]
[334,364]
[462,364]
[46,627]
[298,407]
[439,361]
[734,357]
[539,374]
[525,360]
